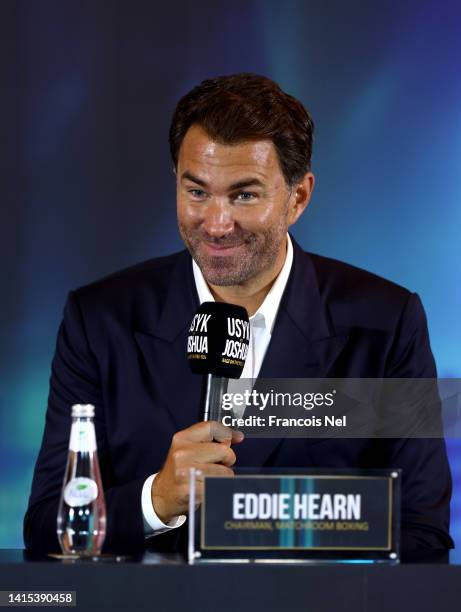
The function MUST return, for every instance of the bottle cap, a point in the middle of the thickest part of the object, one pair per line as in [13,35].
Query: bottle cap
[83,410]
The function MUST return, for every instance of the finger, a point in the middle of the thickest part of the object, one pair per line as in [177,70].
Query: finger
[205,452]
[237,437]
[222,433]
[207,431]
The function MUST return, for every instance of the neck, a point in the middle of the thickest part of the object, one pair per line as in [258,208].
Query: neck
[252,293]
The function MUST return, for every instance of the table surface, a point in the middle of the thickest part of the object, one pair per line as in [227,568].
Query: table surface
[166,582]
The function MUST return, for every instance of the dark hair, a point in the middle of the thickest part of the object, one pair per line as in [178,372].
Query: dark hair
[241,107]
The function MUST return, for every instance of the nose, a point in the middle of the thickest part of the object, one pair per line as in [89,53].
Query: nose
[218,220]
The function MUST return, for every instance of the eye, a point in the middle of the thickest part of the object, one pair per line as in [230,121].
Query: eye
[197,194]
[245,196]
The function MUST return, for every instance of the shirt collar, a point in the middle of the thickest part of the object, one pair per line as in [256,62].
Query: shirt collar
[268,309]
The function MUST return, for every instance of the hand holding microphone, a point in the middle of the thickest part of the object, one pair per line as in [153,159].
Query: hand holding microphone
[205,446]
[217,346]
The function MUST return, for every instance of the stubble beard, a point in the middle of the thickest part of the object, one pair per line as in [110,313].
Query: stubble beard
[258,253]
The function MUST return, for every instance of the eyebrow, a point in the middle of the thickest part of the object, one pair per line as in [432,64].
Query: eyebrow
[246,182]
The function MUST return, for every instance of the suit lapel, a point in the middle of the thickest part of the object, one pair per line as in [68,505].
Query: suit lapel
[163,345]
[303,343]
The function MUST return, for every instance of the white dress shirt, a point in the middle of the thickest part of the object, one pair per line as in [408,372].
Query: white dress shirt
[261,325]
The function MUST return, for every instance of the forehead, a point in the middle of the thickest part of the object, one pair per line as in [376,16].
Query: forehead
[199,153]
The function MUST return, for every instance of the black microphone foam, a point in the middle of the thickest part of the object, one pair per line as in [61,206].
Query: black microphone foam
[218,341]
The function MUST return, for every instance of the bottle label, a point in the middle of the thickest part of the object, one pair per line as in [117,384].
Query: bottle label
[82,437]
[80,491]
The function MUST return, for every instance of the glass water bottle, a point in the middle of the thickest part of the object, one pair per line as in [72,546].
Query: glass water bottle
[81,524]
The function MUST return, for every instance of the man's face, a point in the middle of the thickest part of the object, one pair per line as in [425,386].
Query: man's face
[233,207]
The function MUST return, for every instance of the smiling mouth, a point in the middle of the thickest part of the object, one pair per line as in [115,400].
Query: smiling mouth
[221,249]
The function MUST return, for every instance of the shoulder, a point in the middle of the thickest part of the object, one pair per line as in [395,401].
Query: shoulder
[337,278]
[366,305]
[130,288]
[357,297]
[140,274]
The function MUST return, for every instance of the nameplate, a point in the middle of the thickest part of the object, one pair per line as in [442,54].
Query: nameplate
[344,514]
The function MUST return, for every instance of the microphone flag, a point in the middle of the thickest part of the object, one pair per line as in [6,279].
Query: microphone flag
[218,341]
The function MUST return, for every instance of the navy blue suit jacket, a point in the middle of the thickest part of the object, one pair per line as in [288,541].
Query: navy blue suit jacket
[121,346]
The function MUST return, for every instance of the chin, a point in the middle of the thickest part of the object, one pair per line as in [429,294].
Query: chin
[220,279]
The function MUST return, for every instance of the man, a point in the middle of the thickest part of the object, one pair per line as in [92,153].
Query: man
[241,149]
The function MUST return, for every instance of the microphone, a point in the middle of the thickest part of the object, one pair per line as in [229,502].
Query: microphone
[217,346]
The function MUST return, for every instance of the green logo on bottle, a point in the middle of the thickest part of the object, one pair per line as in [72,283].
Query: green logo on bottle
[80,491]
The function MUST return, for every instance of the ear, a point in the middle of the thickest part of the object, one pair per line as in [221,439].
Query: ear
[300,197]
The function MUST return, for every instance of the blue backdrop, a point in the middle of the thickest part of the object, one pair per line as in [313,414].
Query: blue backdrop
[87,92]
